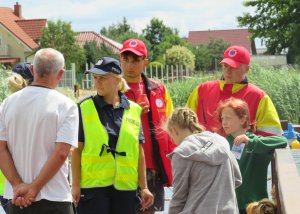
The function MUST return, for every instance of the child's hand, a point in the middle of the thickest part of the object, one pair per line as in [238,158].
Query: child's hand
[241,139]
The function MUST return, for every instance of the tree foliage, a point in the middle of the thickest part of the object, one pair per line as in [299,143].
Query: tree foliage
[161,38]
[277,22]
[94,53]
[179,55]
[60,36]
[119,32]
[209,55]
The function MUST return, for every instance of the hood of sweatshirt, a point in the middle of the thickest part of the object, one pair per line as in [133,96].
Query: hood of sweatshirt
[206,147]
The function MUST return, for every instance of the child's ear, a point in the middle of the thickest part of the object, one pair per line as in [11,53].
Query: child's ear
[244,121]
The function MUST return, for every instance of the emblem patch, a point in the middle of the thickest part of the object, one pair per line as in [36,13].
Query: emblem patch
[159,103]
[232,52]
[133,43]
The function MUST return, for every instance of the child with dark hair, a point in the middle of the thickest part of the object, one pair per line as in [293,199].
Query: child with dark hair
[205,173]
[253,152]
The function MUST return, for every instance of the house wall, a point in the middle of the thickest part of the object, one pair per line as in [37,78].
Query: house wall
[15,47]
[269,60]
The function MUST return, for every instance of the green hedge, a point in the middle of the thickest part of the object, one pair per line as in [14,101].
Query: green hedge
[282,85]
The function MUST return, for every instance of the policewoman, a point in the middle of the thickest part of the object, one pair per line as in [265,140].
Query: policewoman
[109,164]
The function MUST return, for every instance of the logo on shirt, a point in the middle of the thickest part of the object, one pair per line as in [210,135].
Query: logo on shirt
[159,103]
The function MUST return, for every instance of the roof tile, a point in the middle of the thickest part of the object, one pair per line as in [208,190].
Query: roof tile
[89,36]
[20,28]
[234,37]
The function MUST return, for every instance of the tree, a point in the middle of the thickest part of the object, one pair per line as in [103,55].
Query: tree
[119,32]
[217,48]
[179,55]
[161,38]
[277,22]
[94,53]
[202,57]
[123,31]
[61,37]
[209,55]
[169,41]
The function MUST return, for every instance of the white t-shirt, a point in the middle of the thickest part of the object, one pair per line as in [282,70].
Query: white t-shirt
[32,120]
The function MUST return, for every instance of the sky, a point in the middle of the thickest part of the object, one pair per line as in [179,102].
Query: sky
[92,15]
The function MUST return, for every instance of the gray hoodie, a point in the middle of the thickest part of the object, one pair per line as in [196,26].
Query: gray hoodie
[205,175]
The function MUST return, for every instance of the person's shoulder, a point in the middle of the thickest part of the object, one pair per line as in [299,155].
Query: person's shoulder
[209,83]
[156,83]
[84,99]
[255,89]
[59,97]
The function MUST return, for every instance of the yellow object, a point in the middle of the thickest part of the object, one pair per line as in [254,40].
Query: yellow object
[2,183]
[295,144]
[99,168]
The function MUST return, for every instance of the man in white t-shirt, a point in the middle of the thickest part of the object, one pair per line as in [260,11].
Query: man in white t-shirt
[38,127]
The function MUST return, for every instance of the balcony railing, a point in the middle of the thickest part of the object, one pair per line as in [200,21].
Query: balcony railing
[4,50]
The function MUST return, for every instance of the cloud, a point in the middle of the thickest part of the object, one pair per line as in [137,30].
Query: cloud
[95,14]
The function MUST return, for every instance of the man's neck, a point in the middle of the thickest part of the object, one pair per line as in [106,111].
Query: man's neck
[45,84]
[133,79]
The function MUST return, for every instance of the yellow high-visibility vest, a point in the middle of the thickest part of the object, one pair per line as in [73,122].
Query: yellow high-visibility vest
[100,170]
[2,183]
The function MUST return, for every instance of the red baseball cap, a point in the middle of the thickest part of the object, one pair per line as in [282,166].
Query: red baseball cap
[235,56]
[135,46]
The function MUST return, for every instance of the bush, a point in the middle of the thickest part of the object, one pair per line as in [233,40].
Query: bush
[180,55]
[3,83]
[282,85]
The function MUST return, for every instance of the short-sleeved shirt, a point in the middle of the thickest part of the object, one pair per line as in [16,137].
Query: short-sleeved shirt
[32,120]
[110,117]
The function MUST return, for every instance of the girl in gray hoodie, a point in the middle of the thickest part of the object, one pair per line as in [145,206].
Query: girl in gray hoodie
[205,173]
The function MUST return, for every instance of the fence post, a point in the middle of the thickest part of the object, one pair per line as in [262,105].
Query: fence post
[150,71]
[167,67]
[181,73]
[172,73]
[162,72]
[156,72]
[177,73]
[73,74]
[187,71]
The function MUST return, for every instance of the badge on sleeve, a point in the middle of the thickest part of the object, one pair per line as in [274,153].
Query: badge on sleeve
[159,103]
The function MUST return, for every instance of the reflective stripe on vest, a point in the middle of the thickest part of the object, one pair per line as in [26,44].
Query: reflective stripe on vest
[2,183]
[106,170]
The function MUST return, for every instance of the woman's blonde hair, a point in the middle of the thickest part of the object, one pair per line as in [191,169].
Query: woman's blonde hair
[123,86]
[185,118]
[264,206]
[16,82]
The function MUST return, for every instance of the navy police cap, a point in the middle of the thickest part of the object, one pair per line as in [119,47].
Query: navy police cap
[106,65]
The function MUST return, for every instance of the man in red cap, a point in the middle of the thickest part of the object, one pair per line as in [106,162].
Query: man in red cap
[157,106]
[205,98]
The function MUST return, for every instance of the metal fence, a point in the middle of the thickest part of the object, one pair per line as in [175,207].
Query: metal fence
[162,73]
[168,73]
[69,78]
[165,74]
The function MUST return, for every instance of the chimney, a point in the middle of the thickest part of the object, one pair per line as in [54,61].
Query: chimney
[18,10]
